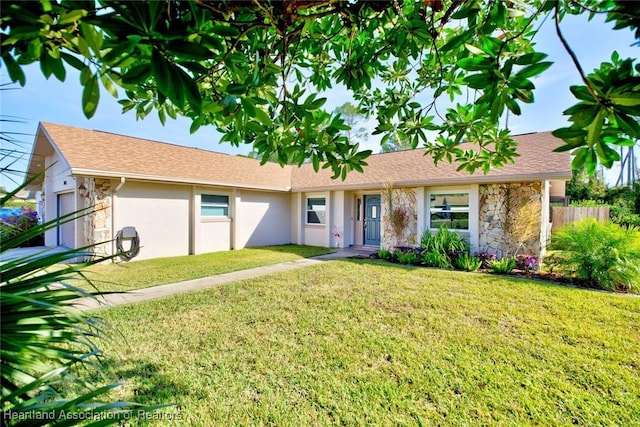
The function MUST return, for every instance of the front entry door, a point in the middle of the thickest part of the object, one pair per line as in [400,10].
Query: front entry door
[372,220]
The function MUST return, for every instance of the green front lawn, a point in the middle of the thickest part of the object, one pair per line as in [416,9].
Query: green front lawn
[355,342]
[132,275]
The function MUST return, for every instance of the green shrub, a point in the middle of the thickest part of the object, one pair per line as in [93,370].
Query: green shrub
[437,259]
[503,266]
[623,214]
[601,253]
[467,262]
[384,254]
[409,258]
[444,241]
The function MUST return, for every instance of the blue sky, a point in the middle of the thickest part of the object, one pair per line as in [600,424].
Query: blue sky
[52,101]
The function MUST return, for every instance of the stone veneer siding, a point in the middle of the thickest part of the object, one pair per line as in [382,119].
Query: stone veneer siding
[96,193]
[500,203]
[405,198]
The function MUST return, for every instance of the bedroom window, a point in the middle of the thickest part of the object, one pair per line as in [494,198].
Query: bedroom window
[450,210]
[316,210]
[214,205]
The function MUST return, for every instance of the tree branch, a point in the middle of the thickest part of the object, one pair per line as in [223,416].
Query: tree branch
[573,56]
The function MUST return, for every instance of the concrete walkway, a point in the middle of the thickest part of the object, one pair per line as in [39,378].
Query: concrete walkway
[112,300]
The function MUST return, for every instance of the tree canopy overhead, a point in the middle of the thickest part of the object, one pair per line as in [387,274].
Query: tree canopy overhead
[255,69]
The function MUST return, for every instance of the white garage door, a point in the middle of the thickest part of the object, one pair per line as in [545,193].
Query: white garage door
[66,231]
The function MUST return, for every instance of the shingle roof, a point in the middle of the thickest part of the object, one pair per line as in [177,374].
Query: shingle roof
[410,167]
[91,152]
[96,153]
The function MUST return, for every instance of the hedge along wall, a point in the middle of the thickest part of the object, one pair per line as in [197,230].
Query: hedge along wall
[500,206]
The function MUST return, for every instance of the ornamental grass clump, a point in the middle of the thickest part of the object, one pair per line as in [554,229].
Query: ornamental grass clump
[602,254]
[503,266]
[468,262]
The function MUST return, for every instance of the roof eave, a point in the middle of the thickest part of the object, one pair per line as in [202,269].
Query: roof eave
[173,180]
[566,175]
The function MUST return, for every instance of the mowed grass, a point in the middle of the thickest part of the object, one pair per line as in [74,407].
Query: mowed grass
[133,275]
[357,342]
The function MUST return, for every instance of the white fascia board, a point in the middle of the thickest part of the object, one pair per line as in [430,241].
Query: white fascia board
[174,180]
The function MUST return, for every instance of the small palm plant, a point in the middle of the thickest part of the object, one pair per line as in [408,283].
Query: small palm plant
[45,341]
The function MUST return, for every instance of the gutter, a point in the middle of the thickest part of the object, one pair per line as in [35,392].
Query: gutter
[113,213]
[440,182]
[176,180]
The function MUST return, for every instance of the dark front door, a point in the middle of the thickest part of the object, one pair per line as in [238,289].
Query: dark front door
[372,220]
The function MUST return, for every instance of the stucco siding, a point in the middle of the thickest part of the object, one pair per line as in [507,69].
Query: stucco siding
[160,214]
[262,218]
[213,236]
[316,235]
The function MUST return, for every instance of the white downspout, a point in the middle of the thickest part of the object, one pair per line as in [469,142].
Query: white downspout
[113,214]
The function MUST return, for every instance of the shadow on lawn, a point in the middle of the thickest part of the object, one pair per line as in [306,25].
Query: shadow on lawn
[145,383]
[302,251]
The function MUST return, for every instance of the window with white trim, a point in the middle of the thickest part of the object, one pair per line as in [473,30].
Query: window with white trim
[450,209]
[214,205]
[316,210]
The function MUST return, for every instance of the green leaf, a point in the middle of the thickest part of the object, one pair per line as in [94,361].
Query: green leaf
[594,130]
[262,117]
[626,100]
[85,75]
[582,93]
[457,41]
[117,50]
[137,74]
[236,89]
[15,71]
[45,67]
[513,106]
[190,90]
[619,141]
[569,133]
[628,124]
[165,80]
[56,66]
[189,50]
[248,107]
[530,58]
[72,60]
[93,38]
[109,86]
[478,81]
[255,127]
[591,161]
[606,154]
[90,97]
[475,63]
[71,16]
[579,157]
[534,69]
[225,30]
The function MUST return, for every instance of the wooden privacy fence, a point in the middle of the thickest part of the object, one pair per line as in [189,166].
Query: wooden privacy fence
[561,216]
